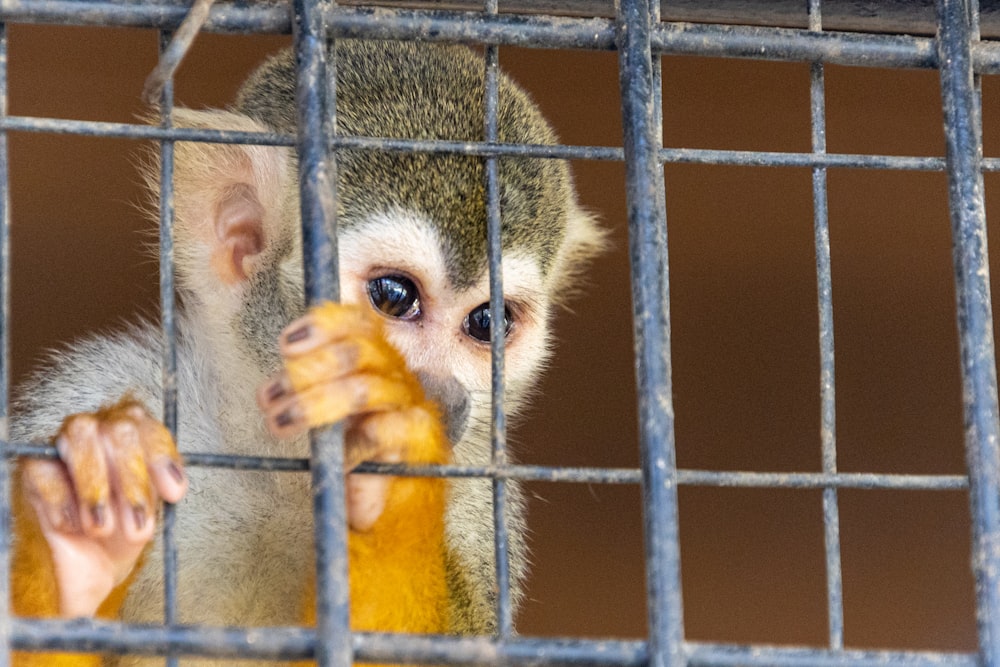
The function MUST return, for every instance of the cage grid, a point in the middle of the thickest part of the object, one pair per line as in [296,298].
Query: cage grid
[640,36]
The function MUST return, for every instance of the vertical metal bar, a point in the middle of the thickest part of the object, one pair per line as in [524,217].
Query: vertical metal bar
[501,543]
[824,285]
[5,320]
[168,330]
[317,180]
[975,318]
[650,299]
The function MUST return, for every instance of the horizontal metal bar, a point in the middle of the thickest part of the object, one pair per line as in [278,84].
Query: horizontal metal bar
[286,643]
[93,636]
[722,655]
[785,159]
[730,41]
[733,41]
[106,130]
[387,648]
[912,17]
[899,16]
[149,132]
[225,17]
[539,473]
[792,45]
[525,473]
[474,28]
[480,149]
[819,480]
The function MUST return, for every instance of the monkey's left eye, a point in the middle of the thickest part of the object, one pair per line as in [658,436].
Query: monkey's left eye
[395,296]
[477,322]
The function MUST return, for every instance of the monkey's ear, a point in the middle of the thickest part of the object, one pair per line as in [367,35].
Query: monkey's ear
[584,240]
[230,201]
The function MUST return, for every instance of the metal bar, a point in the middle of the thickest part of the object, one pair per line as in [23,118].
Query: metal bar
[720,655]
[975,318]
[168,329]
[902,16]
[536,473]
[289,643]
[824,290]
[481,149]
[780,480]
[226,17]
[317,181]
[650,302]
[738,41]
[173,53]
[282,643]
[5,322]
[906,16]
[498,335]
[730,41]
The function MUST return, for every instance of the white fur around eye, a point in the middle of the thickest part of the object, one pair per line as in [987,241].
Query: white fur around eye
[406,243]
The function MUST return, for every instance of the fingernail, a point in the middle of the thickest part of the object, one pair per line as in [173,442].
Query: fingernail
[297,334]
[275,391]
[97,515]
[139,514]
[176,472]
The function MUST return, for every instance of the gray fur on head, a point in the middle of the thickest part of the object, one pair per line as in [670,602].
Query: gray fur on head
[430,91]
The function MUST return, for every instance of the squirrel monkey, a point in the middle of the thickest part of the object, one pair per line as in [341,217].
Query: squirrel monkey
[405,361]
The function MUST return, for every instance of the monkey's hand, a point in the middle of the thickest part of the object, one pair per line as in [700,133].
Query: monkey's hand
[94,509]
[339,365]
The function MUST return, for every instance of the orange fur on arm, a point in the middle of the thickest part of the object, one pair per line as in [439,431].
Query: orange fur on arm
[397,568]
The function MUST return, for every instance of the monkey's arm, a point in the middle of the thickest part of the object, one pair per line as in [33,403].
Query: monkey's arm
[338,365]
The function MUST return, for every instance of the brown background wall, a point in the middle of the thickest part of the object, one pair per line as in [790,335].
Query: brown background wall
[744,328]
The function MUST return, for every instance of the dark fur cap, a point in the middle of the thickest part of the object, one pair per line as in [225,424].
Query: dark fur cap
[429,91]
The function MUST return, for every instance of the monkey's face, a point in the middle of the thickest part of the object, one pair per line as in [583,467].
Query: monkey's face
[412,226]
[396,264]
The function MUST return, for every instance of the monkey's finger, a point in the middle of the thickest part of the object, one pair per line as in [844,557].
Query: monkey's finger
[336,359]
[333,401]
[323,324]
[163,461]
[356,354]
[133,495]
[49,489]
[146,455]
[81,449]
[413,435]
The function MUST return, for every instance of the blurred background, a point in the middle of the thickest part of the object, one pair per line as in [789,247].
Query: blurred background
[746,365]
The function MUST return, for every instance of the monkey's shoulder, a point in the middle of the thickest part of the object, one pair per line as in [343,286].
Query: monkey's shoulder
[85,375]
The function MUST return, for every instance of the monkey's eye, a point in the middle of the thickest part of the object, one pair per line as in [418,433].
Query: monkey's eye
[477,323]
[395,296]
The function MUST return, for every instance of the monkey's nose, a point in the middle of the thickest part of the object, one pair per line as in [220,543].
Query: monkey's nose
[453,399]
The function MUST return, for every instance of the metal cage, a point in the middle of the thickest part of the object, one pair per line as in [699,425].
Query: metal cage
[636,29]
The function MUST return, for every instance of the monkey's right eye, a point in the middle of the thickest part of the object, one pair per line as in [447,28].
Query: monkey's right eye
[395,296]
